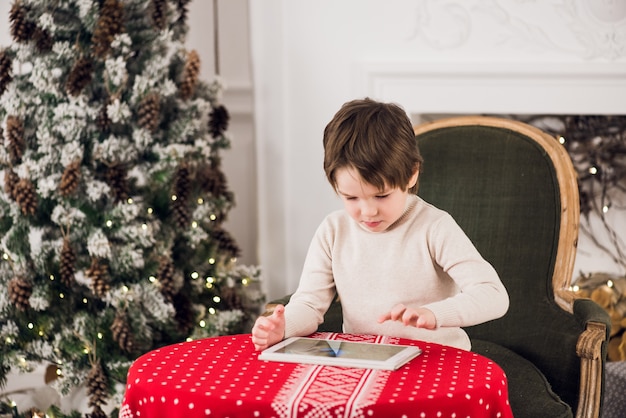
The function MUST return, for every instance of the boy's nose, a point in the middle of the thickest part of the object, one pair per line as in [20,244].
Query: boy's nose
[369,209]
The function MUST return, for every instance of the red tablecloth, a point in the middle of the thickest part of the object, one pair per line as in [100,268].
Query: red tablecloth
[223,377]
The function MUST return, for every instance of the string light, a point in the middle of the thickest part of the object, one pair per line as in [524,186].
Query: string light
[212,311]
[200,200]
[216,299]
[609,283]
[144,226]
[561,140]
[85,301]
[202,324]
[212,217]
[61,296]
[150,211]
[174,197]
[30,325]
[211,260]
[152,279]
[195,275]
[52,277]
[593,170]
[130,200]
[194,224]
[109,223]
[100,336]
[5,256]
[245,281]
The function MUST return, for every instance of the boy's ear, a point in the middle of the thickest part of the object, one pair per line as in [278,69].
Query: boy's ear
[413,179]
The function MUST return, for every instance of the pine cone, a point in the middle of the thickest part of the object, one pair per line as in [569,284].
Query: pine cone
[225,242]
[15,135]
[21,28]
[122,333]
[116,179]
[159,13]
[102,120]
[231,298]
[80,76]
[26,196]
[67,266]
[20,290]
[43,40]
[190,75]
[212,180]
[165,275]
[6,71]
[185,317]
[148,112]
[98,272]
[10,181]
[218,121]
[97,386]
[109,24]
[70,179]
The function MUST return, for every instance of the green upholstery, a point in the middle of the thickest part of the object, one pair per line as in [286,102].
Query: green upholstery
[500,186]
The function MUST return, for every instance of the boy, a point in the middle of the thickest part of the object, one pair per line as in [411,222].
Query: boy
[400,266]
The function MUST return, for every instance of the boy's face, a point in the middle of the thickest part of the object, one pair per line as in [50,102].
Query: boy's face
[373,209]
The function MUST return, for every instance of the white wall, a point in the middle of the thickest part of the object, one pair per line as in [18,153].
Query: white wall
[464,56]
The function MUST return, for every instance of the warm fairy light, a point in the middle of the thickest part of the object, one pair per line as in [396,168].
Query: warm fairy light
[100,336]
[150,211]
[194,224]
[216,299]
[30,325]
[609,283]
[174,197]
[575,288]
[200,200]
[152,279]
[109,223]
[561,140]
[593,170]
[61,296]
[130,200]
[52,277]
[212,311]
[144,226]
[211,260]
[189,339]
[202,324]
[40,333]
[85,301]
[9,340]
[605,208]
[195,275]
[5,256]
[125,288]
[245,281]
[86,350]
[59,372]
[212,217]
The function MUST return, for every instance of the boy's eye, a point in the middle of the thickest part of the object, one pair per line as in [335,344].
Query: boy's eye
[382,196]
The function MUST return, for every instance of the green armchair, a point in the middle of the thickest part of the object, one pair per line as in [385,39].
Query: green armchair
[513,189]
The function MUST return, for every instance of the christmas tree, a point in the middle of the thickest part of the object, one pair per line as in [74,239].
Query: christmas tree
[112,210]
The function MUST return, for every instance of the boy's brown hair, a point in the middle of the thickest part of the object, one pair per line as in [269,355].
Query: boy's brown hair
[374,138]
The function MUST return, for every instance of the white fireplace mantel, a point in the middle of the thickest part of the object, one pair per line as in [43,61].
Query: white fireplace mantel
[500,88]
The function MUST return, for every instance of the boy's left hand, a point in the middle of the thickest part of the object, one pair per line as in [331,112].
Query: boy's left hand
[419,318]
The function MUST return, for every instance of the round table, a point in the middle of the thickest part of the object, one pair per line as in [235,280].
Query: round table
[223,377]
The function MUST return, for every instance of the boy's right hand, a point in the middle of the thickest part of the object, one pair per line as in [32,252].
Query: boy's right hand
[268,330]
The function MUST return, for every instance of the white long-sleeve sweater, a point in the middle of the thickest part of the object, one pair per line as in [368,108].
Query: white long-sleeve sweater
[422,260]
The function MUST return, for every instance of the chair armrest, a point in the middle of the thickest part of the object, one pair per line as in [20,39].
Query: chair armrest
[591,348]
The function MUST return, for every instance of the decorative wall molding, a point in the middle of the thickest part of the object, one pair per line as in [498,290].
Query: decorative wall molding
[587,29]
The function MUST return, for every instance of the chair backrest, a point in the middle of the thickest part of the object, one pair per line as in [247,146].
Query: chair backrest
[513,189]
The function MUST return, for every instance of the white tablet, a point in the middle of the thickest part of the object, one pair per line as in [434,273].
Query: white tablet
[340,353]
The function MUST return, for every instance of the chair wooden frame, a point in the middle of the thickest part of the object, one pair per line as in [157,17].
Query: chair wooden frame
[589,346]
